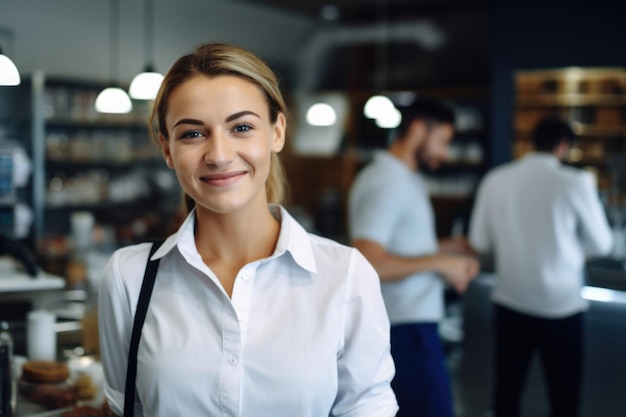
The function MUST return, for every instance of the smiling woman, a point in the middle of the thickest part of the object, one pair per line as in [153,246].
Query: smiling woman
[219,138]
[248,313]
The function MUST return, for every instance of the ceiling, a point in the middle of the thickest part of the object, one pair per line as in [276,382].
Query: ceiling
[361,11]
[462,59]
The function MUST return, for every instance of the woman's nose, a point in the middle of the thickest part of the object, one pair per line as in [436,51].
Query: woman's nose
[219,150]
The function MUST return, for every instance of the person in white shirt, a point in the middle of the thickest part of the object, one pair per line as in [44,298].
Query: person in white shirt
[250,315]
[540,219]
[391,221]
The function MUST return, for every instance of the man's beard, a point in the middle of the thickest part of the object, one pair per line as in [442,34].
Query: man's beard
[423,163]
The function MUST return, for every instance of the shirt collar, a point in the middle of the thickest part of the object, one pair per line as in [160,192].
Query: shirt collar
[543,157]
[392,161]
[184,233]
[292,239]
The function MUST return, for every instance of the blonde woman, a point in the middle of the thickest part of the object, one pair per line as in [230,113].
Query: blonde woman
[249,314]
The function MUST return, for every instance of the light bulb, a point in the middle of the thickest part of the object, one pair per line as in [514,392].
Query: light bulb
[113,100]
[321,114]
[145,85]
[9,75]
[377,105]
[390,119]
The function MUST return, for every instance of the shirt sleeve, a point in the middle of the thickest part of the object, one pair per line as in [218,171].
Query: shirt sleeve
[594,229]
[479,234]
[115,327]
[373,213]
[365,365]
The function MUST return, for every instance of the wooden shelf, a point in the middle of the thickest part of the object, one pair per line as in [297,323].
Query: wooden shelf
[570,100]
[594,131]
[592,99]
[600,131]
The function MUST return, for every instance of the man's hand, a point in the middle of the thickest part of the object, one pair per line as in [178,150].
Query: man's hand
[459,270]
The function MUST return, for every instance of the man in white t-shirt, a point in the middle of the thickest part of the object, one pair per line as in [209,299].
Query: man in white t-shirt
[540,219]
[391,222]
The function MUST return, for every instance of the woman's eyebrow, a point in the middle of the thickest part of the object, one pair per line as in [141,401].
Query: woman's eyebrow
[241,114]
[188,122]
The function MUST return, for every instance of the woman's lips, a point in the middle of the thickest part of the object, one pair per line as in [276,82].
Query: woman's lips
[226,178]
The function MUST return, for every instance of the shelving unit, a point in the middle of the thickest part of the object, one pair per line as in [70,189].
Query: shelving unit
[14,131]
[592,99]
[86,161]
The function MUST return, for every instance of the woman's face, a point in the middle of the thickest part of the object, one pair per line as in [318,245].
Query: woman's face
[220,142]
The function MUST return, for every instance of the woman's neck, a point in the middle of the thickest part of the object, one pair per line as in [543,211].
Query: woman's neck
[236,237]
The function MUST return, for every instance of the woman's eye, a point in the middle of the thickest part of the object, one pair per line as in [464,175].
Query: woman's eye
[242,128]
[192,134]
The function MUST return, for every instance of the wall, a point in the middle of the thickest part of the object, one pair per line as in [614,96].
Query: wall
[71,37]
[529,34]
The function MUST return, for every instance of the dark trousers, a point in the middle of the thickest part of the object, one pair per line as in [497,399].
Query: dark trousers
[560,344]
[421,383]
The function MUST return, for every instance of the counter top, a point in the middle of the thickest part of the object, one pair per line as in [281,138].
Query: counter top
[25,283]
[607,273]
[15,280]
[17,283]
[601,272]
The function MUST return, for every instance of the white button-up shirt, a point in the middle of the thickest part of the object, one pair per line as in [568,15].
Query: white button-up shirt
[304,334]
[541,219]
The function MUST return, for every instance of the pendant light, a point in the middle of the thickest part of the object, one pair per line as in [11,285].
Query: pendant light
[379,107]
[114,99]
[9,75]
[321,114]
[145,85]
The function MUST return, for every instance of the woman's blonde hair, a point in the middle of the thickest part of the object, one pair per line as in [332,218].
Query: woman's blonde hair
[213,59]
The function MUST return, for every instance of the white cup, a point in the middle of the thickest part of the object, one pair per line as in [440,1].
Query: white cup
[41,337]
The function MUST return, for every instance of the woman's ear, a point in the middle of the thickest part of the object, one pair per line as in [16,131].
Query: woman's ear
[165,148]
[280,126]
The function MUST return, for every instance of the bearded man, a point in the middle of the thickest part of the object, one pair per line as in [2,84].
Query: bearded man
[391,221]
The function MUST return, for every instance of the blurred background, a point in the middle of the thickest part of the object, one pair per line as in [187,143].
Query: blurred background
[77,182]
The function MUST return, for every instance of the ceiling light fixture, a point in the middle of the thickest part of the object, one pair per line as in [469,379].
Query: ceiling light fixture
[390,119]
[321,114]
[379,106]
[114,99]
[146,84]
[9,75]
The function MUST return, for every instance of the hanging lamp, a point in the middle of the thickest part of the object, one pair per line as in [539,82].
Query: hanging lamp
[380,107]
[114,99]
[9,75]
[145,85]
[321,114]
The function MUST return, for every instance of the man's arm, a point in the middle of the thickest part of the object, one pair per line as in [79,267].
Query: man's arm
[594,227]
[457,270]
[458,245]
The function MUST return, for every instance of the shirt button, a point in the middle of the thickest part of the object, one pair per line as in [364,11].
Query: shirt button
[233,361]
[246,275]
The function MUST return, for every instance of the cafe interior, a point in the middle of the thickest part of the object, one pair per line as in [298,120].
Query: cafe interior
[79,177]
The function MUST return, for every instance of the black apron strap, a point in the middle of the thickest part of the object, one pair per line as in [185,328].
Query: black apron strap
[140,316]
